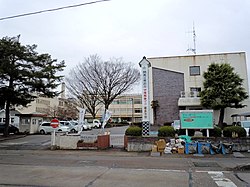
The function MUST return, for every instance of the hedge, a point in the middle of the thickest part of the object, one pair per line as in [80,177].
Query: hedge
[166,131]
[133,131]
[228,131]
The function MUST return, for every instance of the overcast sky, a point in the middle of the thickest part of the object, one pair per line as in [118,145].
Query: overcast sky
[129,28]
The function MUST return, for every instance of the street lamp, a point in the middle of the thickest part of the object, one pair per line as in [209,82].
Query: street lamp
[132,100]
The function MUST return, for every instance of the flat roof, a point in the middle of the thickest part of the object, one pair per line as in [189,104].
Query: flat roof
[193,55]
[32,115]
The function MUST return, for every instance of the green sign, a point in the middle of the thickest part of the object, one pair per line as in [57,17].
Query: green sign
[196,119]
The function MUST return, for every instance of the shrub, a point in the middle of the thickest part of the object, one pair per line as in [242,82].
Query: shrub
[133,131]
[166,131]
[224,125]
[216,132]
[228,131]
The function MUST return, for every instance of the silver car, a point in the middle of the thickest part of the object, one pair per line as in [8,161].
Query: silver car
[73,126]
[81,127]
[46,128]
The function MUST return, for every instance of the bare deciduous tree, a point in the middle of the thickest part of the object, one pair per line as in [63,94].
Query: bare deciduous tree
[66,112]
[95,81]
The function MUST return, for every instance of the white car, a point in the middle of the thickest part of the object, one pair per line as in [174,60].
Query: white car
[46,128]
[86,126]
[73,127]
[77,127]
[97,123]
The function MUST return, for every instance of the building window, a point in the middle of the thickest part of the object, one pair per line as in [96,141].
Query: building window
[194,91]
[25,121]
[33,121]
[61,103]
[194,70]
[42,101]
[115,102]
[137,101]
[138,110]
[124,102]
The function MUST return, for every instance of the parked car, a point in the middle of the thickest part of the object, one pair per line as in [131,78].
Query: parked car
[95,123]
[12,129]
[73,126]
[86,126]
[46,128]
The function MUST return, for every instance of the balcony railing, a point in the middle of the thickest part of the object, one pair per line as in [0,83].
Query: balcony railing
[189,99]
[189,94]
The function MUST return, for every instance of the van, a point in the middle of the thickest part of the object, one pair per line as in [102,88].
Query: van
[245,125]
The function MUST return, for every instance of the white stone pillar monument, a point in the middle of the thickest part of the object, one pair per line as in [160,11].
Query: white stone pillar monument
[145,64]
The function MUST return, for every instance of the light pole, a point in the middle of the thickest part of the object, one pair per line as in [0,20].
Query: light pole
[132,100]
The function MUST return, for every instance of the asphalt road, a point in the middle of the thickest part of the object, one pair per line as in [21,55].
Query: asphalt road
[115,168]
[28,161]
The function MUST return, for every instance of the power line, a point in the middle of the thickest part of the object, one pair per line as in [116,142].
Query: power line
[51,10]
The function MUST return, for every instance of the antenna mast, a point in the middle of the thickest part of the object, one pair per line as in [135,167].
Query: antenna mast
[194,41]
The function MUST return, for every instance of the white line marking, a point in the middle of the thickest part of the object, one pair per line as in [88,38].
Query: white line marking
[47,143]
[162,170]
[220,180]
[203,171]
[12,143]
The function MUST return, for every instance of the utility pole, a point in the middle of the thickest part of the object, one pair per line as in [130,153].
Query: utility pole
[132,100]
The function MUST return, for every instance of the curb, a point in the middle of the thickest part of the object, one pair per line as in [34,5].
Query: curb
[245,167]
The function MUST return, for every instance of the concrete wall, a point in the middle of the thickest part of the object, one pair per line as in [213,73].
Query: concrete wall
[167,86]
[241,145]
[139,144]
[67,141]
[139,147]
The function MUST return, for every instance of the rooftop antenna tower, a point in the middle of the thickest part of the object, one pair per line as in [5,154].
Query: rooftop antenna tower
[194,41]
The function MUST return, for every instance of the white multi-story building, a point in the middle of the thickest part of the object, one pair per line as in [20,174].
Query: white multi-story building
[176,81]
[125,108]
